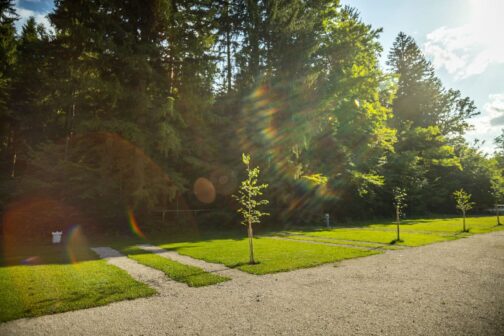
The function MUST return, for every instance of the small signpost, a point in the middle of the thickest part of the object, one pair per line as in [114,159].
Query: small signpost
[56,237]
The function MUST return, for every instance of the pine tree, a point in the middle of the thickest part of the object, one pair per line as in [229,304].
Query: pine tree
[428,119]
[8,48]
[139,72]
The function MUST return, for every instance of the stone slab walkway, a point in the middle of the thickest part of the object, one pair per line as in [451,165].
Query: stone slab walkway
[209,267]
[154,278]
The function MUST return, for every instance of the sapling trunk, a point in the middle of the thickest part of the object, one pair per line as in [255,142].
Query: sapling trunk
[398,232]
[463,203]
[398,220]
[400,204]
[251,243]
[498,217]
[247,197]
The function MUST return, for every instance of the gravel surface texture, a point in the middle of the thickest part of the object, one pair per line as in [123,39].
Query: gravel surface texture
[450,288]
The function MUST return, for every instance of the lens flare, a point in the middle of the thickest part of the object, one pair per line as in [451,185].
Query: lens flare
[276,120]
[204,190]
[224,180]
[33,260]
[134,225]
[77,247]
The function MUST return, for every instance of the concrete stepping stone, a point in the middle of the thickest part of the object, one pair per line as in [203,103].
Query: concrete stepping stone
[206,266]
[154,278]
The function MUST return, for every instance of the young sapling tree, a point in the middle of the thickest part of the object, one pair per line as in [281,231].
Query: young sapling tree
[464,204]
[400,205]
[247,196]
[498,195]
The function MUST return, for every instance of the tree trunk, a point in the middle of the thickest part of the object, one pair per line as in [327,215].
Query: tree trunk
[228,56]
[463,221]
[397,214]
[13,171]
[253,35]
[251,244]
[398,232]
[498,217]
[228,48]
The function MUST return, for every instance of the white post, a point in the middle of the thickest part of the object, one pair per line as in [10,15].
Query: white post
[56,237]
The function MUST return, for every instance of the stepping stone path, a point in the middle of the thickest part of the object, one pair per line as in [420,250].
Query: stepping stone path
[206,266]
[157,279]
[154,278]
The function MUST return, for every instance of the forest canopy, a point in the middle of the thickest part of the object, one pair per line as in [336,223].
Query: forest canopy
[132,106]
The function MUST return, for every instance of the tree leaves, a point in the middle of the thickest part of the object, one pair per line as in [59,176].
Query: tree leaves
[249,191]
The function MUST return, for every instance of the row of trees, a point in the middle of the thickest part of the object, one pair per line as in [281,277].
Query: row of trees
[123,104]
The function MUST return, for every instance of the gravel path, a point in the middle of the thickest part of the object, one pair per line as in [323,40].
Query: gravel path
[451,288]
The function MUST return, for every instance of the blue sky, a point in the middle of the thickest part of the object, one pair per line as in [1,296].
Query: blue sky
[462,39]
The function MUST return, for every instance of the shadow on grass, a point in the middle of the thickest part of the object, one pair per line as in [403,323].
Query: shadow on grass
[33,255]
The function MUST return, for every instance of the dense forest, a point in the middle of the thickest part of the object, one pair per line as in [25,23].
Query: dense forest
[131,108]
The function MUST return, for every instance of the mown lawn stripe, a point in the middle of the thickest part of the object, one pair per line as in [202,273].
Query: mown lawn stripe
[190,275]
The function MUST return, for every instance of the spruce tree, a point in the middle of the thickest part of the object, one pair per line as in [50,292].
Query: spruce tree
[428,119]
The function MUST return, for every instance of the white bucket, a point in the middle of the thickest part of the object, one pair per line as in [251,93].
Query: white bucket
[56,237]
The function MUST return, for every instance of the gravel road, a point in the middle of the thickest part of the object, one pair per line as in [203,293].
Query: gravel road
[451,288]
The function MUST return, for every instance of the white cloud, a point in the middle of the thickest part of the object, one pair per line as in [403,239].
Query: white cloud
[25,14]
[469,49]
[495,110]
[489,124]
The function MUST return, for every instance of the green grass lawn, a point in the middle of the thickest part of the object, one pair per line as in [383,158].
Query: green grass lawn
[272,255]
[190,275]
[54,282]
[376,236]
[27,291]
[413,232]
[344,242]
[449,225]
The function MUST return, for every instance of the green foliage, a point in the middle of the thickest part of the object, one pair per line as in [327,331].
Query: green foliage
[174,80]
[399,201]
[8,55]
[429,120]
[400,198]
[464,204]
[317,179]
[248,193]
[463,200]
[498,188]
[100,173]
